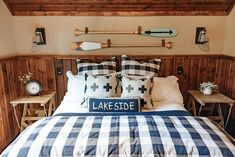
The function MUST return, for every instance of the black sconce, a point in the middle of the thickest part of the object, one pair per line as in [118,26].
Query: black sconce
[39,36]
[201,37]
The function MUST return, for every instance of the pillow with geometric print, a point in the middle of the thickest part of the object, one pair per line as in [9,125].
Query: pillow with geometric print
[101,85]
[140,86]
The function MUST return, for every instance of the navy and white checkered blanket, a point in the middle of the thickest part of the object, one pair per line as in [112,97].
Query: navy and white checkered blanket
[139,134]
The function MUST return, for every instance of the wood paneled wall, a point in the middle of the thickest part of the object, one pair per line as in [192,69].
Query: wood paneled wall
[9,86]
[196,69]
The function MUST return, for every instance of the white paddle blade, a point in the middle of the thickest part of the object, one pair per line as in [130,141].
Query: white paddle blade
[85,46]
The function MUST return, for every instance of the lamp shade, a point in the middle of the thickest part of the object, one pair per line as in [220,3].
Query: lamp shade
[201,37]
[39,36]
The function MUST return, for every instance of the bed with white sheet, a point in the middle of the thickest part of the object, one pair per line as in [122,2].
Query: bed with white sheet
[164,128]
[159,133]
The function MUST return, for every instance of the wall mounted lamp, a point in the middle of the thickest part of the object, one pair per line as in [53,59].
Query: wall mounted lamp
[39,36]
[201,37]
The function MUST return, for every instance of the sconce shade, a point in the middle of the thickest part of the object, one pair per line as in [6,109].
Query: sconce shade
[39,36]
[201,37]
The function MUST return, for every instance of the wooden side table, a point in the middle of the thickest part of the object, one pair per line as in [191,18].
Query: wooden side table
[216,99]
[28,101]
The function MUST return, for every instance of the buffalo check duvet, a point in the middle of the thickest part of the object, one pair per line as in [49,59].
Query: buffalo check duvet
[172,133]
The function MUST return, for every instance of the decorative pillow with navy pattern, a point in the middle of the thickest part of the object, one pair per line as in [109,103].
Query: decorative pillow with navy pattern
[105,67]
[140,86]
[101,85]
[133,67]
[114,104]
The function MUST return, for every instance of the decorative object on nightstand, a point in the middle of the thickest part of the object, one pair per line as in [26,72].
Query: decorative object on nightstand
[207,87]
[29,114]
[32,87]
[216,99]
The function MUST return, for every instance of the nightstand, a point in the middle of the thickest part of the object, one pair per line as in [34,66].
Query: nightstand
[216,100]
[29,114]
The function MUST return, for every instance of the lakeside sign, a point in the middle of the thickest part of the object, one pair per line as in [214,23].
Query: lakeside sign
[113,104]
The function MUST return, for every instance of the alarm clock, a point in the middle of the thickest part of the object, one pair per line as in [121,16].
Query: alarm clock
[33,87]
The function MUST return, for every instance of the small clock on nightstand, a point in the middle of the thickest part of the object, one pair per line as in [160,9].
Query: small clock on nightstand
[33,87]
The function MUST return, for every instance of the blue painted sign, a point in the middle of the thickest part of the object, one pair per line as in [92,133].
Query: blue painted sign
[113,105]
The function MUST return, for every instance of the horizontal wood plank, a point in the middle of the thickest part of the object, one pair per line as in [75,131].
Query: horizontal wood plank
[119,7]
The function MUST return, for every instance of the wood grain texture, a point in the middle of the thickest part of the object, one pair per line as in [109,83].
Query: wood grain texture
[9,89]
[196,68]
[118,7]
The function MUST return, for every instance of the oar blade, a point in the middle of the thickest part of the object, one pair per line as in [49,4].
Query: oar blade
[85,46]
[161,32]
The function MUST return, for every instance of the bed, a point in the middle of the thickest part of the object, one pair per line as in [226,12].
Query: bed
[163,129]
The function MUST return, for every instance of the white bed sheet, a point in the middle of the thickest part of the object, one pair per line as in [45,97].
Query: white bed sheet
[166,106]
[70,107]
[75,107]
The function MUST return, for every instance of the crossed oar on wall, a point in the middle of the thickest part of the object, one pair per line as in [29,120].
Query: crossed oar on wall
[157,32]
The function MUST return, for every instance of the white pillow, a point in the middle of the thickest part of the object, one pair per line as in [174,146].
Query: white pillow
[75,88]
[165,106]
[166,90]
[138,86]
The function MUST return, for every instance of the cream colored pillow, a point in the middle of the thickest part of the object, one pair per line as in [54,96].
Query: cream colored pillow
[166,89]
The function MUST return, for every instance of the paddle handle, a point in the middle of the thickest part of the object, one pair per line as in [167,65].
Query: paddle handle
[78,32]
[163,44]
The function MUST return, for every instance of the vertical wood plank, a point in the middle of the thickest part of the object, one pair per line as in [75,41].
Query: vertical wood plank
[224,76]
[218,71]
[183,79]
[4,94]
[3,118]
[23,69]
[194,72]
[50,75]
[231,79]
[233,85]
[166,67]
[211,69]
[13,86]
[203,70]
[3,139]
[59,82]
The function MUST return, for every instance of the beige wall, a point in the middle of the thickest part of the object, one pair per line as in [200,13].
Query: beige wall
[229,47]
[7,39]
[59,31]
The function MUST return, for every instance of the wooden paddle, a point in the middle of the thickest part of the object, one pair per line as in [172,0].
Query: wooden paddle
[156,32]
[86,45]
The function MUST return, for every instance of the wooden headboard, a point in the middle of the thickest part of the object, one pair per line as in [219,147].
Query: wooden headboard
[196,69]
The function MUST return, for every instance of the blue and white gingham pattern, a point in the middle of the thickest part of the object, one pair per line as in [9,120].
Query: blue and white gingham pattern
[133,67]
[105,67]
[123,135]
